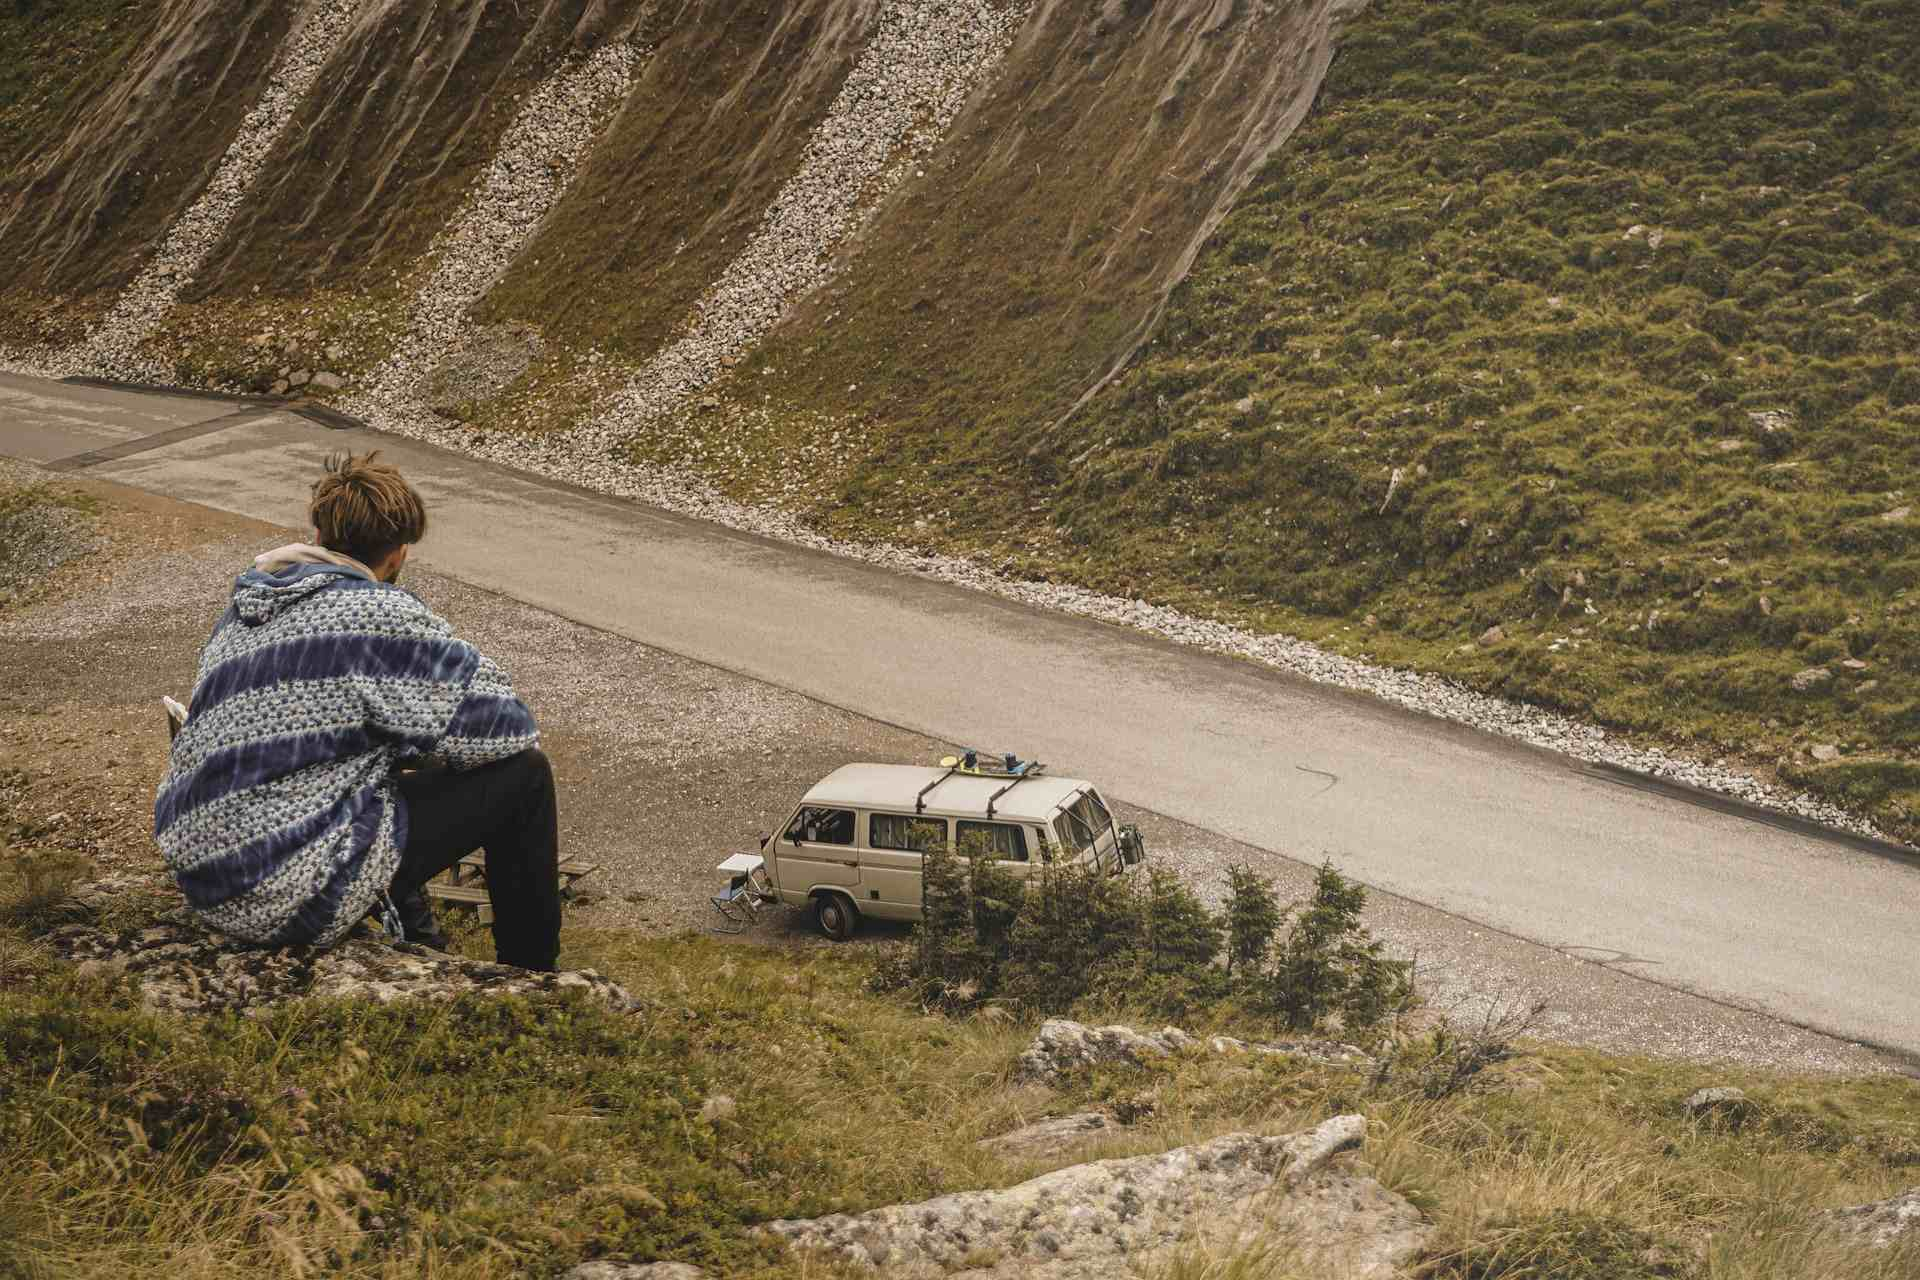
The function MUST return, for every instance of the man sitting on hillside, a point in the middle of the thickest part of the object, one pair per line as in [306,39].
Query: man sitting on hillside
[282,816]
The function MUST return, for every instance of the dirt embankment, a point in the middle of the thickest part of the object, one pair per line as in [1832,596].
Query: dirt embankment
[1006,266]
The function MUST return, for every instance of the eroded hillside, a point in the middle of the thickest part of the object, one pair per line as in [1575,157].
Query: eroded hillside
[1564,349]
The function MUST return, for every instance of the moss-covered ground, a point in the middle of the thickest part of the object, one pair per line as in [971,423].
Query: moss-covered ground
[58,51]
[1628,295]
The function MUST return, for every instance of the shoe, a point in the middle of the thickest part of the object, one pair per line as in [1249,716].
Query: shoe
[417,922]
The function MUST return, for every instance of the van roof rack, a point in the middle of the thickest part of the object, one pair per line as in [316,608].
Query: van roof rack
[975,763]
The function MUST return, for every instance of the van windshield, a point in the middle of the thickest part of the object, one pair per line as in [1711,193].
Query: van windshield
[1095,811]
[1076,825]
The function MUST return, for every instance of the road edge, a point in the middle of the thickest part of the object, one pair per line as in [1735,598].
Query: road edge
[1620,775]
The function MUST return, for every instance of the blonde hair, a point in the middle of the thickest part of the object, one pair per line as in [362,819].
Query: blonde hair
[364,508]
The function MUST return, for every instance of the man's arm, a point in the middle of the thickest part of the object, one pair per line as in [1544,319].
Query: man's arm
[491,723]
[437,696]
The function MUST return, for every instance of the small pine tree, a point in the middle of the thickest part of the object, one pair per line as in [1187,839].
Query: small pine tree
[1253,916]
[1330,964]
[944,940]
[997,895]
[1183,937]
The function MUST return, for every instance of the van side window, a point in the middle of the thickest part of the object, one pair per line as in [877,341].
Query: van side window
[1003,841]
[817,825]
[906,833]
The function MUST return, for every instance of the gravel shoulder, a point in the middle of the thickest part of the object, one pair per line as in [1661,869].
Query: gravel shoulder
[665,766]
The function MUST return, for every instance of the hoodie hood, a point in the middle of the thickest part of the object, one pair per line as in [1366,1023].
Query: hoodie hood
[287,575]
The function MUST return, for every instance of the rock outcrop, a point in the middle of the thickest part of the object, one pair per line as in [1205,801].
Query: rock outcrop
[1883,1223]
[1063,1046]
[181,967]
[1094,1220]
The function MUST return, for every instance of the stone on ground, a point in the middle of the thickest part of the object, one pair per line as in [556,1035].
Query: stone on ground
[634,1271]
[1064,1046]
[1100,1219]
[181,967]
[1883,1223]
[1048,1135]
[1720,1100]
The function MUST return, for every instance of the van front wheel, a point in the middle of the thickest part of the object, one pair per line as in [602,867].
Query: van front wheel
[835,916]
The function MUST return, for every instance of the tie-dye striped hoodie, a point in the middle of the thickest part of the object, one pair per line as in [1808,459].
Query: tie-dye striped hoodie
[277,816]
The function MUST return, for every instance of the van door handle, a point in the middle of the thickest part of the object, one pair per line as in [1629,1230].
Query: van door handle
[852,862]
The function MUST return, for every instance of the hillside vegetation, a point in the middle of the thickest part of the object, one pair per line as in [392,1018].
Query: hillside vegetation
[509,1137]
[1599,323]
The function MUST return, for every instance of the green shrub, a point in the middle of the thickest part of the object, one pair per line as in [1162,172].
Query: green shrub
[1073,934]
[1253,916]
[1330,966]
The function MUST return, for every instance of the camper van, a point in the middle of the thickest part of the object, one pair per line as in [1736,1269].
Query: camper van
[854,844]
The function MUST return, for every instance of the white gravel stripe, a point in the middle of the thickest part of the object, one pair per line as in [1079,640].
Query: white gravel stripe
[537,159]
[112,349]
[923,63]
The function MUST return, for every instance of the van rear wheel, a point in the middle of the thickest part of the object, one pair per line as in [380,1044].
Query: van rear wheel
[835,916]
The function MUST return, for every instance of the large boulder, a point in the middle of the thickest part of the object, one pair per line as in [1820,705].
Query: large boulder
[1883,1223]
[1062,1046]
[181,967]
[1097,1220]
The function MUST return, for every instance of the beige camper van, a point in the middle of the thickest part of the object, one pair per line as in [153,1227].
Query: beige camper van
[852,847]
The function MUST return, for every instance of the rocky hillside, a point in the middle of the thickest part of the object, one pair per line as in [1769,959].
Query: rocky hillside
[1564,350]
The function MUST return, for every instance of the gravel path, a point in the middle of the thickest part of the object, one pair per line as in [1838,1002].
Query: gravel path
[113,348]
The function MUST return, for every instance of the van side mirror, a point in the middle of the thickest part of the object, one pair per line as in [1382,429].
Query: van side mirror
[765,838]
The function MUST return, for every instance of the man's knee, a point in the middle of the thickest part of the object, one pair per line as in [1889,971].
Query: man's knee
[534,770]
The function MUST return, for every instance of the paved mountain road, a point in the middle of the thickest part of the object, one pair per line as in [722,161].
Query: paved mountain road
[1809,930]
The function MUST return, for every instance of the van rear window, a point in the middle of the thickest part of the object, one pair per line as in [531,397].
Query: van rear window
[1004,841]
[906,833]
[817,825]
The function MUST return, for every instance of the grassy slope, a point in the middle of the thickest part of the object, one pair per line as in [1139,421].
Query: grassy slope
[56,54]
[499,1138]
[1440,274]
[494,1139]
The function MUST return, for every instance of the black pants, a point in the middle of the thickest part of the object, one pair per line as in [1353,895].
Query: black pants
[508,808]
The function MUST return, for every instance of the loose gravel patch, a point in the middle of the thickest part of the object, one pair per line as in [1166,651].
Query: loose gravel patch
[38,534]
[923,63]
[671,713]
[538,157]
